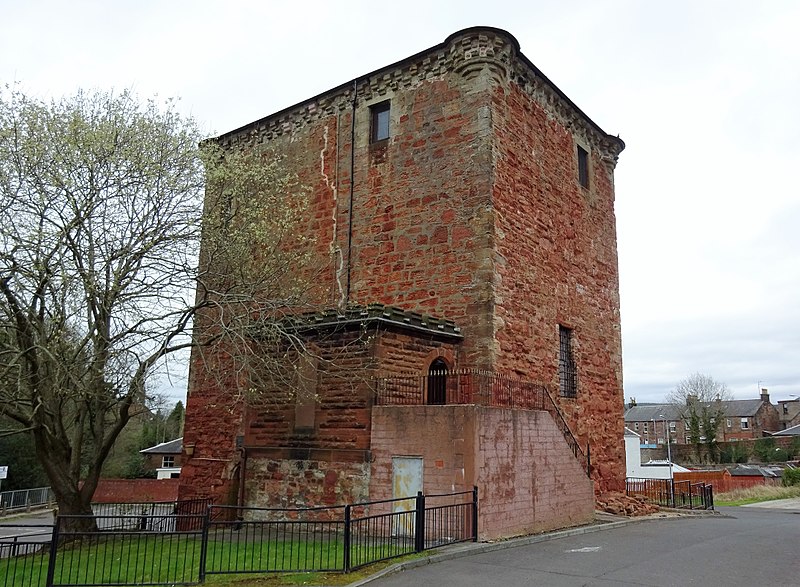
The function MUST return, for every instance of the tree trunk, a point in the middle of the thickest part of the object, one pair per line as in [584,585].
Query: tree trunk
[74,515]
[74,506]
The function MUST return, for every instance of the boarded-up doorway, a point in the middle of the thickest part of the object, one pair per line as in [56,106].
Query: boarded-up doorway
[406,482]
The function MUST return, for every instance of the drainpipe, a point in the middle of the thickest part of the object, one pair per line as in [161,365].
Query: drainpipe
[352,186]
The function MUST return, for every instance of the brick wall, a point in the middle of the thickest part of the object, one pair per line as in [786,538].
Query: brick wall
[527,478]
[135,490]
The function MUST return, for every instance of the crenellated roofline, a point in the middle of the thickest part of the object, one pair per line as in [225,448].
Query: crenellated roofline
[466,52]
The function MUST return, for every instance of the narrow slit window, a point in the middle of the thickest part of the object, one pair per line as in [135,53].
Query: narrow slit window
[583,167]
[380,122]
[567,371]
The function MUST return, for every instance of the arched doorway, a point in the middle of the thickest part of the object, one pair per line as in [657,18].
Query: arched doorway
[437,383]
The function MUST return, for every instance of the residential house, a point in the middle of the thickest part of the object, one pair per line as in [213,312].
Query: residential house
[791,431]
[743,419]
[654,423]
[462,209]
[164,458]
[789,412]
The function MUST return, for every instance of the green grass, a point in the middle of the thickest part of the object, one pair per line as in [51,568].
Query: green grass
[756,494]
[108,560]
[176,559]
[308,579]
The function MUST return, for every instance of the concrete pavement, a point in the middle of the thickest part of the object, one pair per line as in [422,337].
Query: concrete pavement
[777,504]
[739,546]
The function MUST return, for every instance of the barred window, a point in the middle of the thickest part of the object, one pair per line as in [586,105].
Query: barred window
[567,372]
[437,383]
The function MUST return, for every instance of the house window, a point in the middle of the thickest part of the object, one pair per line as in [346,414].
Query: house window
[636,426]
[567,372]
[785,409]
[583,167]
[379,130]
[745,424]
[167,462]
[645,428]
[728,423]
[672,426]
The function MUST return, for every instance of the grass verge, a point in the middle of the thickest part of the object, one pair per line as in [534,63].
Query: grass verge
[133,559]
[306,579]
[756,494]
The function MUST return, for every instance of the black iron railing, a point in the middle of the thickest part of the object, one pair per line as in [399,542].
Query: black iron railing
[476,387]
[672,494]
[156,548]
[23,549]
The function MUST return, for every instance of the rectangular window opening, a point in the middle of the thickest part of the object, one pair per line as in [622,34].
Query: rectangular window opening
[168,462]
[745,424]
[379,130]
[567,371]
[583,167]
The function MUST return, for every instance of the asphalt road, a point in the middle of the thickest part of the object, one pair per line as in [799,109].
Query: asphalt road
[37,523]
[744,546]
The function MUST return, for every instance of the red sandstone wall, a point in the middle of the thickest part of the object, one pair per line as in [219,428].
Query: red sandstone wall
[557,264]
[470,211]
[329,464]
[528,481]
[213,421]
[421,230]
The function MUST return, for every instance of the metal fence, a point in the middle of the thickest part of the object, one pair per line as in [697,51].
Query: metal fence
[23,554]
[476,387]
[673,494]
[340,538]
[158,548]
[25,499]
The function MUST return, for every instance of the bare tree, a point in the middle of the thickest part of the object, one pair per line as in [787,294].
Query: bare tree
[699,398]
[101,214]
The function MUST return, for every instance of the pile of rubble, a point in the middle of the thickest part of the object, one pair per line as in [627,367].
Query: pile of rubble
[624,505]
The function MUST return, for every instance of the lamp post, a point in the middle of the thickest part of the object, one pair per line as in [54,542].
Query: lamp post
[669,441]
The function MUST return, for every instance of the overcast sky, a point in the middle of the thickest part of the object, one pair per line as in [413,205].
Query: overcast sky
[704,93]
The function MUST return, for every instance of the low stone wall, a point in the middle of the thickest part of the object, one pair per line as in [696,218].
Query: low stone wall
[300,483]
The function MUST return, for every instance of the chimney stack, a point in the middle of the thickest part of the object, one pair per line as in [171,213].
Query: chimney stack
[764,395]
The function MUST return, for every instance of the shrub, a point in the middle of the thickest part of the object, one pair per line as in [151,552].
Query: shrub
[734,452]
[791,477]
